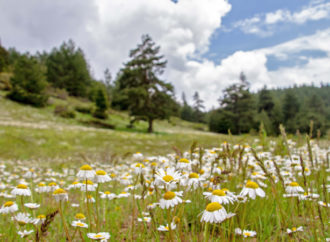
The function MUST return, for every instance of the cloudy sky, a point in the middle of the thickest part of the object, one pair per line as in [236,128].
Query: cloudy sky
[207,42]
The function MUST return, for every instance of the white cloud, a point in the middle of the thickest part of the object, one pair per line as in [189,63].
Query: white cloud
[107,30]
[264,24]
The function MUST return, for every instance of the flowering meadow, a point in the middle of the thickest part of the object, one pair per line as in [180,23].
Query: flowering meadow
[232,192]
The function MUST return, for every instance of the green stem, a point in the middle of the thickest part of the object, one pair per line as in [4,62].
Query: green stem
[64,224]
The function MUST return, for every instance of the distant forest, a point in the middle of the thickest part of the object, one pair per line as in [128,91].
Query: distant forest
[139,89]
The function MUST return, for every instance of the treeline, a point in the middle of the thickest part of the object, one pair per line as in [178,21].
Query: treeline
[64,71]
[139,89]
[241,111]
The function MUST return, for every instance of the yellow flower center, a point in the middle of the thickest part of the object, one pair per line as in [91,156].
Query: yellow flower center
[169,195]
[75,183]
[251,184]
[41,184]
[52,184]
[193,175]
[294,184]
[168,178]
[167,228]
[254,173]
[184,160]
[306,169]
[140,165]
[80,216]
[59,191]
[88,182]
[215,206]
[100,173]
[294,229]
[113,175]
[21,223]
[247,234]
[107,192]
[201,171]
[153,164]
[98,236]
[86,168]
[22,186]
[80,224]
[41,216]
[8,204]
[219,192]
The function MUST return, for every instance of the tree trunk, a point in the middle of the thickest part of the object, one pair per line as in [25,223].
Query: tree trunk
[150,125]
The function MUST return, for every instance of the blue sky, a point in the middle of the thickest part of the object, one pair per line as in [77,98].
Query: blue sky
[227,39]
[207,43]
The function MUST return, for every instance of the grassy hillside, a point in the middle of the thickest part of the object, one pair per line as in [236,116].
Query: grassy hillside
[36,133]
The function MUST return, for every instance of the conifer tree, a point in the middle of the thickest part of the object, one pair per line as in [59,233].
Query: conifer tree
[147,96]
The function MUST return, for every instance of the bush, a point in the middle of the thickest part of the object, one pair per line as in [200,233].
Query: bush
[64,112]
[84,109]
[20,95]
[28,82]
[100,114]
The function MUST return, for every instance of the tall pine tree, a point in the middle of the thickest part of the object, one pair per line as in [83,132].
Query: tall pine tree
[147,97]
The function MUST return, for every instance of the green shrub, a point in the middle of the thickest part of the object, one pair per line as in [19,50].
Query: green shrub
[84,109]
[20,95]
[100,114]
[64,112]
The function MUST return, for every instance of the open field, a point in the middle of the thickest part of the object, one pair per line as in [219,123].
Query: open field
[209,193]
[34,133]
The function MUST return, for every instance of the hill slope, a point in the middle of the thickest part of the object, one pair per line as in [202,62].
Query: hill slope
[36,133]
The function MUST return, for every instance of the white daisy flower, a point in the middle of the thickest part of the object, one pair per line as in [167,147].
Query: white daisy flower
[294,230]
[170,199]
[245,233]
[75,185]
[60,195]
[9,207]
[166,228]
[123,194]
[21,190]
[170,176]
[79,224]
[323,204]
[22,219]
[32,205]
[24,233]
[184,164]
[252,189]
[89,185]
[219,196]
[194,181]
[145,219]
[104,236]
[41,188]
[214,213]
[108,195]
[294,187]
[86,172]
[138,156]
[102,177]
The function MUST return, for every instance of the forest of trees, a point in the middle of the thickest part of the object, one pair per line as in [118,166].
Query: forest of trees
[139,89]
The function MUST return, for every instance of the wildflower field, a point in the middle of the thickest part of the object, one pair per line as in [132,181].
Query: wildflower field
[268,191]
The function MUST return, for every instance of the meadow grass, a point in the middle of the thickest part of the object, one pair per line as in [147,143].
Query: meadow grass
[44,151]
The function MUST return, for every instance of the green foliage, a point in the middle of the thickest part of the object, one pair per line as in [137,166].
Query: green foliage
[237,107]
[102,104]
[140,90]
[4,58]
[28,82]
[64,111]
[67,68]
